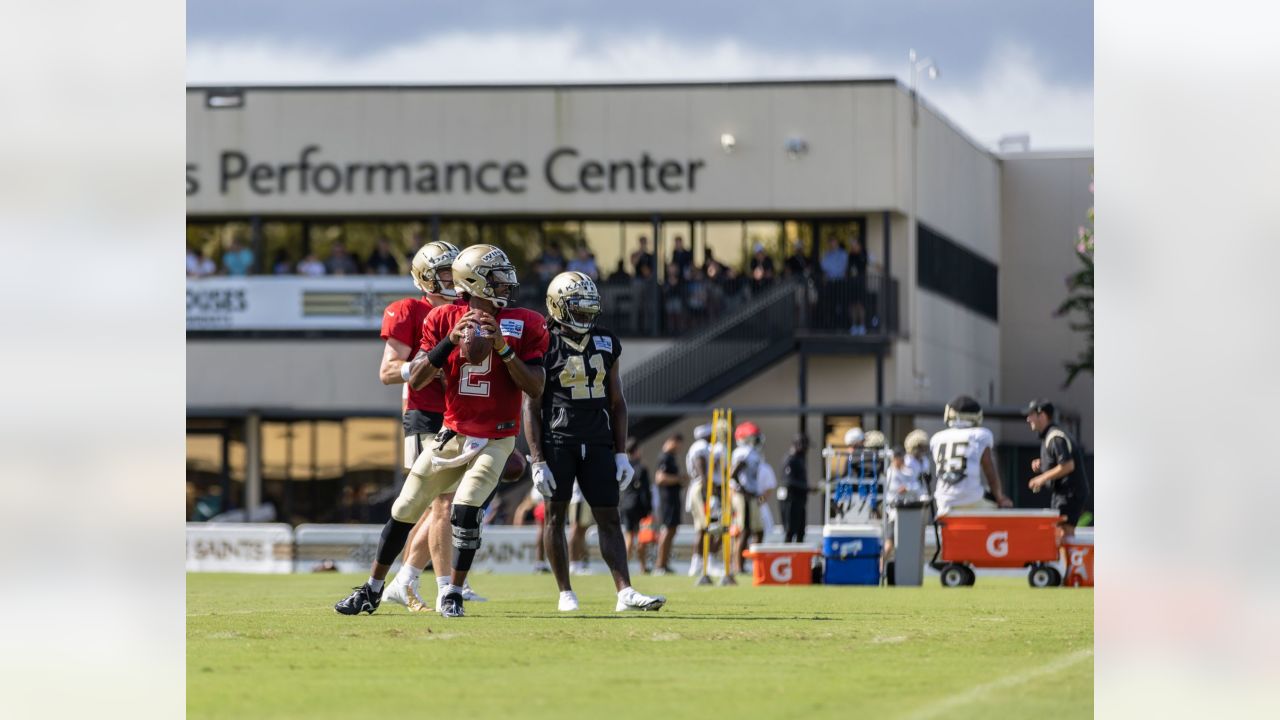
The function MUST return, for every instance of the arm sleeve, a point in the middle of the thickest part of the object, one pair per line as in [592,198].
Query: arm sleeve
[397,322]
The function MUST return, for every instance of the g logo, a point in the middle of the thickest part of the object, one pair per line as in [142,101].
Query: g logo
[998,543]
[780,569]
[1076,557]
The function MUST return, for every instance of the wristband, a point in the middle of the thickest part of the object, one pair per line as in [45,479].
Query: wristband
[405,368]
[440,353]
[507,353]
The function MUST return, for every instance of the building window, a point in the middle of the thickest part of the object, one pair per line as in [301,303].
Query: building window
[955,272]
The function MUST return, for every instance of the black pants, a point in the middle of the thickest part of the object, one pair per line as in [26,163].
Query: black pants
[592,466]
[793,514]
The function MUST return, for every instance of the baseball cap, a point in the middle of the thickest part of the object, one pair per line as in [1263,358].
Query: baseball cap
[1040,405]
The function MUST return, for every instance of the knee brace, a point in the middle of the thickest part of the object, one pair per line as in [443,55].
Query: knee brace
[466,527]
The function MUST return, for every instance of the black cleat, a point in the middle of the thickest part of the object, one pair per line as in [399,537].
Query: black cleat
[451,606]
[364,599]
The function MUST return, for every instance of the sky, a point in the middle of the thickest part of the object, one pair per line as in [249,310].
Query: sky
[1007,66]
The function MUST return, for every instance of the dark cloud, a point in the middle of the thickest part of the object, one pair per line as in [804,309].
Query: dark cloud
[961,35]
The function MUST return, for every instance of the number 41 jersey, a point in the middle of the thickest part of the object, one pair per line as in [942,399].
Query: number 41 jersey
[575,401]
[957,456]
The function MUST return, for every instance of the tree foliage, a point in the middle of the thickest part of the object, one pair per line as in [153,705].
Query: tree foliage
[1078,306]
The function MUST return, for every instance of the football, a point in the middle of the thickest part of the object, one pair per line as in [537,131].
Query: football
[475,348]
[514,468]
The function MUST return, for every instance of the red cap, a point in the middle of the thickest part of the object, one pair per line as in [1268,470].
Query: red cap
[746,429]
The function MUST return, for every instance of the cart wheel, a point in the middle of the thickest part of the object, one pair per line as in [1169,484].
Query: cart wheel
[1043,576]
[954,575]
[969,576]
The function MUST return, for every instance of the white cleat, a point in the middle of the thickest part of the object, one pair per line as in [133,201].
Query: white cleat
[568,601]
[470,595]
[579,569]
[395,592]
[695,566]
[634,600]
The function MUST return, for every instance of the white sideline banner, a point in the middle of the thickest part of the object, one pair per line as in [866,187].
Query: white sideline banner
[504,549]
[266,302]
[239,547]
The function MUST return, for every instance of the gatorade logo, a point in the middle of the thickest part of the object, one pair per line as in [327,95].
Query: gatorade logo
[1077,556]
[780,569]
[998,543]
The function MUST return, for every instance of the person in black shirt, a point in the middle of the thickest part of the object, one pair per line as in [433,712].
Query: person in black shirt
[794,491]
[682,257]
[1060,466]
[577,430]
[637,503]
[670,484]
[382,261]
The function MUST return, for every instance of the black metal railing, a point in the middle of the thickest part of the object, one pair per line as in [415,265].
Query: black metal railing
[753,334]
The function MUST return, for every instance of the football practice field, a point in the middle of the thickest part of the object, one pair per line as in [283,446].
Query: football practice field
[272,646]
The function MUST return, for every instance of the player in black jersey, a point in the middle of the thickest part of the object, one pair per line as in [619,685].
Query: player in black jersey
[577,430]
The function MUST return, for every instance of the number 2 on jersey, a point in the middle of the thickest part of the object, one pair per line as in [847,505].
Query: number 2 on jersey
[469,385]
[574,377]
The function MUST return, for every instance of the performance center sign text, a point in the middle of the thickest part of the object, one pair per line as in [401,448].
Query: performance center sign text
[564,170]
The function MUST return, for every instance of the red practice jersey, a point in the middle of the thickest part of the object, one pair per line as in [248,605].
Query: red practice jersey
[482,400]
[402,320]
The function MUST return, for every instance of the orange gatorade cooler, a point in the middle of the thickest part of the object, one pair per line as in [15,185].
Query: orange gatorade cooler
[1000,538]
[1079,560]
[782,563]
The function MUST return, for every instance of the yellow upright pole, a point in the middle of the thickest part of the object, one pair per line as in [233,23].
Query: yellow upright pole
[726,500]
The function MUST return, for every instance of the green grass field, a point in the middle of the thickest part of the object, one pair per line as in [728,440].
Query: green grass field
[272,646]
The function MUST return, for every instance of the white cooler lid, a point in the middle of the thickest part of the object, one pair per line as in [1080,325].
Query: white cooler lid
[784,547]
[852,530]
[1003,513]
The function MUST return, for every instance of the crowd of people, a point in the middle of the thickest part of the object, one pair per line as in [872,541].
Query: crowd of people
[238,260]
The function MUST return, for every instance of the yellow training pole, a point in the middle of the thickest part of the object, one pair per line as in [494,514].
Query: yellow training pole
[726,495]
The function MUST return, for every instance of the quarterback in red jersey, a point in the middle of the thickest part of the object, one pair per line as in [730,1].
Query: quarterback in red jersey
[432,273]
[482,413]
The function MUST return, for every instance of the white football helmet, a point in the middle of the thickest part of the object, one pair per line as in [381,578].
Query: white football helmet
[573,301]
[430,260]
[484,271]
[853,436]
[963,411]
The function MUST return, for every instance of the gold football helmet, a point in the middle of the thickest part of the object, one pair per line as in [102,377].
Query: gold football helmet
[916,440]
[874,440]
[484,271]
[428,262]
[573,301]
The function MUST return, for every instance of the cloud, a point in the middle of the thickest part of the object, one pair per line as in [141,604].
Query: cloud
[1011,95]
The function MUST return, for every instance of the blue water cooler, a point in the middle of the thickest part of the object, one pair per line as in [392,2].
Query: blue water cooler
[852,554]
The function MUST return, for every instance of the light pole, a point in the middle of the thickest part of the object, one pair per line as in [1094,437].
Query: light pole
[915,67]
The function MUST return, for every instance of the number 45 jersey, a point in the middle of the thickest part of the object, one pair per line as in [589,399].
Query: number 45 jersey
[575,402]
[957,455]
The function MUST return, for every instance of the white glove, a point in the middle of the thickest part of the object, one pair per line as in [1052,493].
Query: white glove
[543,480]
[625,471]
[827,452]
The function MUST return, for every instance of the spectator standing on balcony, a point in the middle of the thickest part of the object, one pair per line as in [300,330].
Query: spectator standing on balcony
[238,259]
[762,271]
[550,263]
[682,257]
[619,276]
[200,264]
[382,261]
[696,294]
[642,258]
[585,263]
[797,264]
[281,265]
[311,266]
[833,302]
[340,261]
[858,289]
[643,294]
[673,291]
